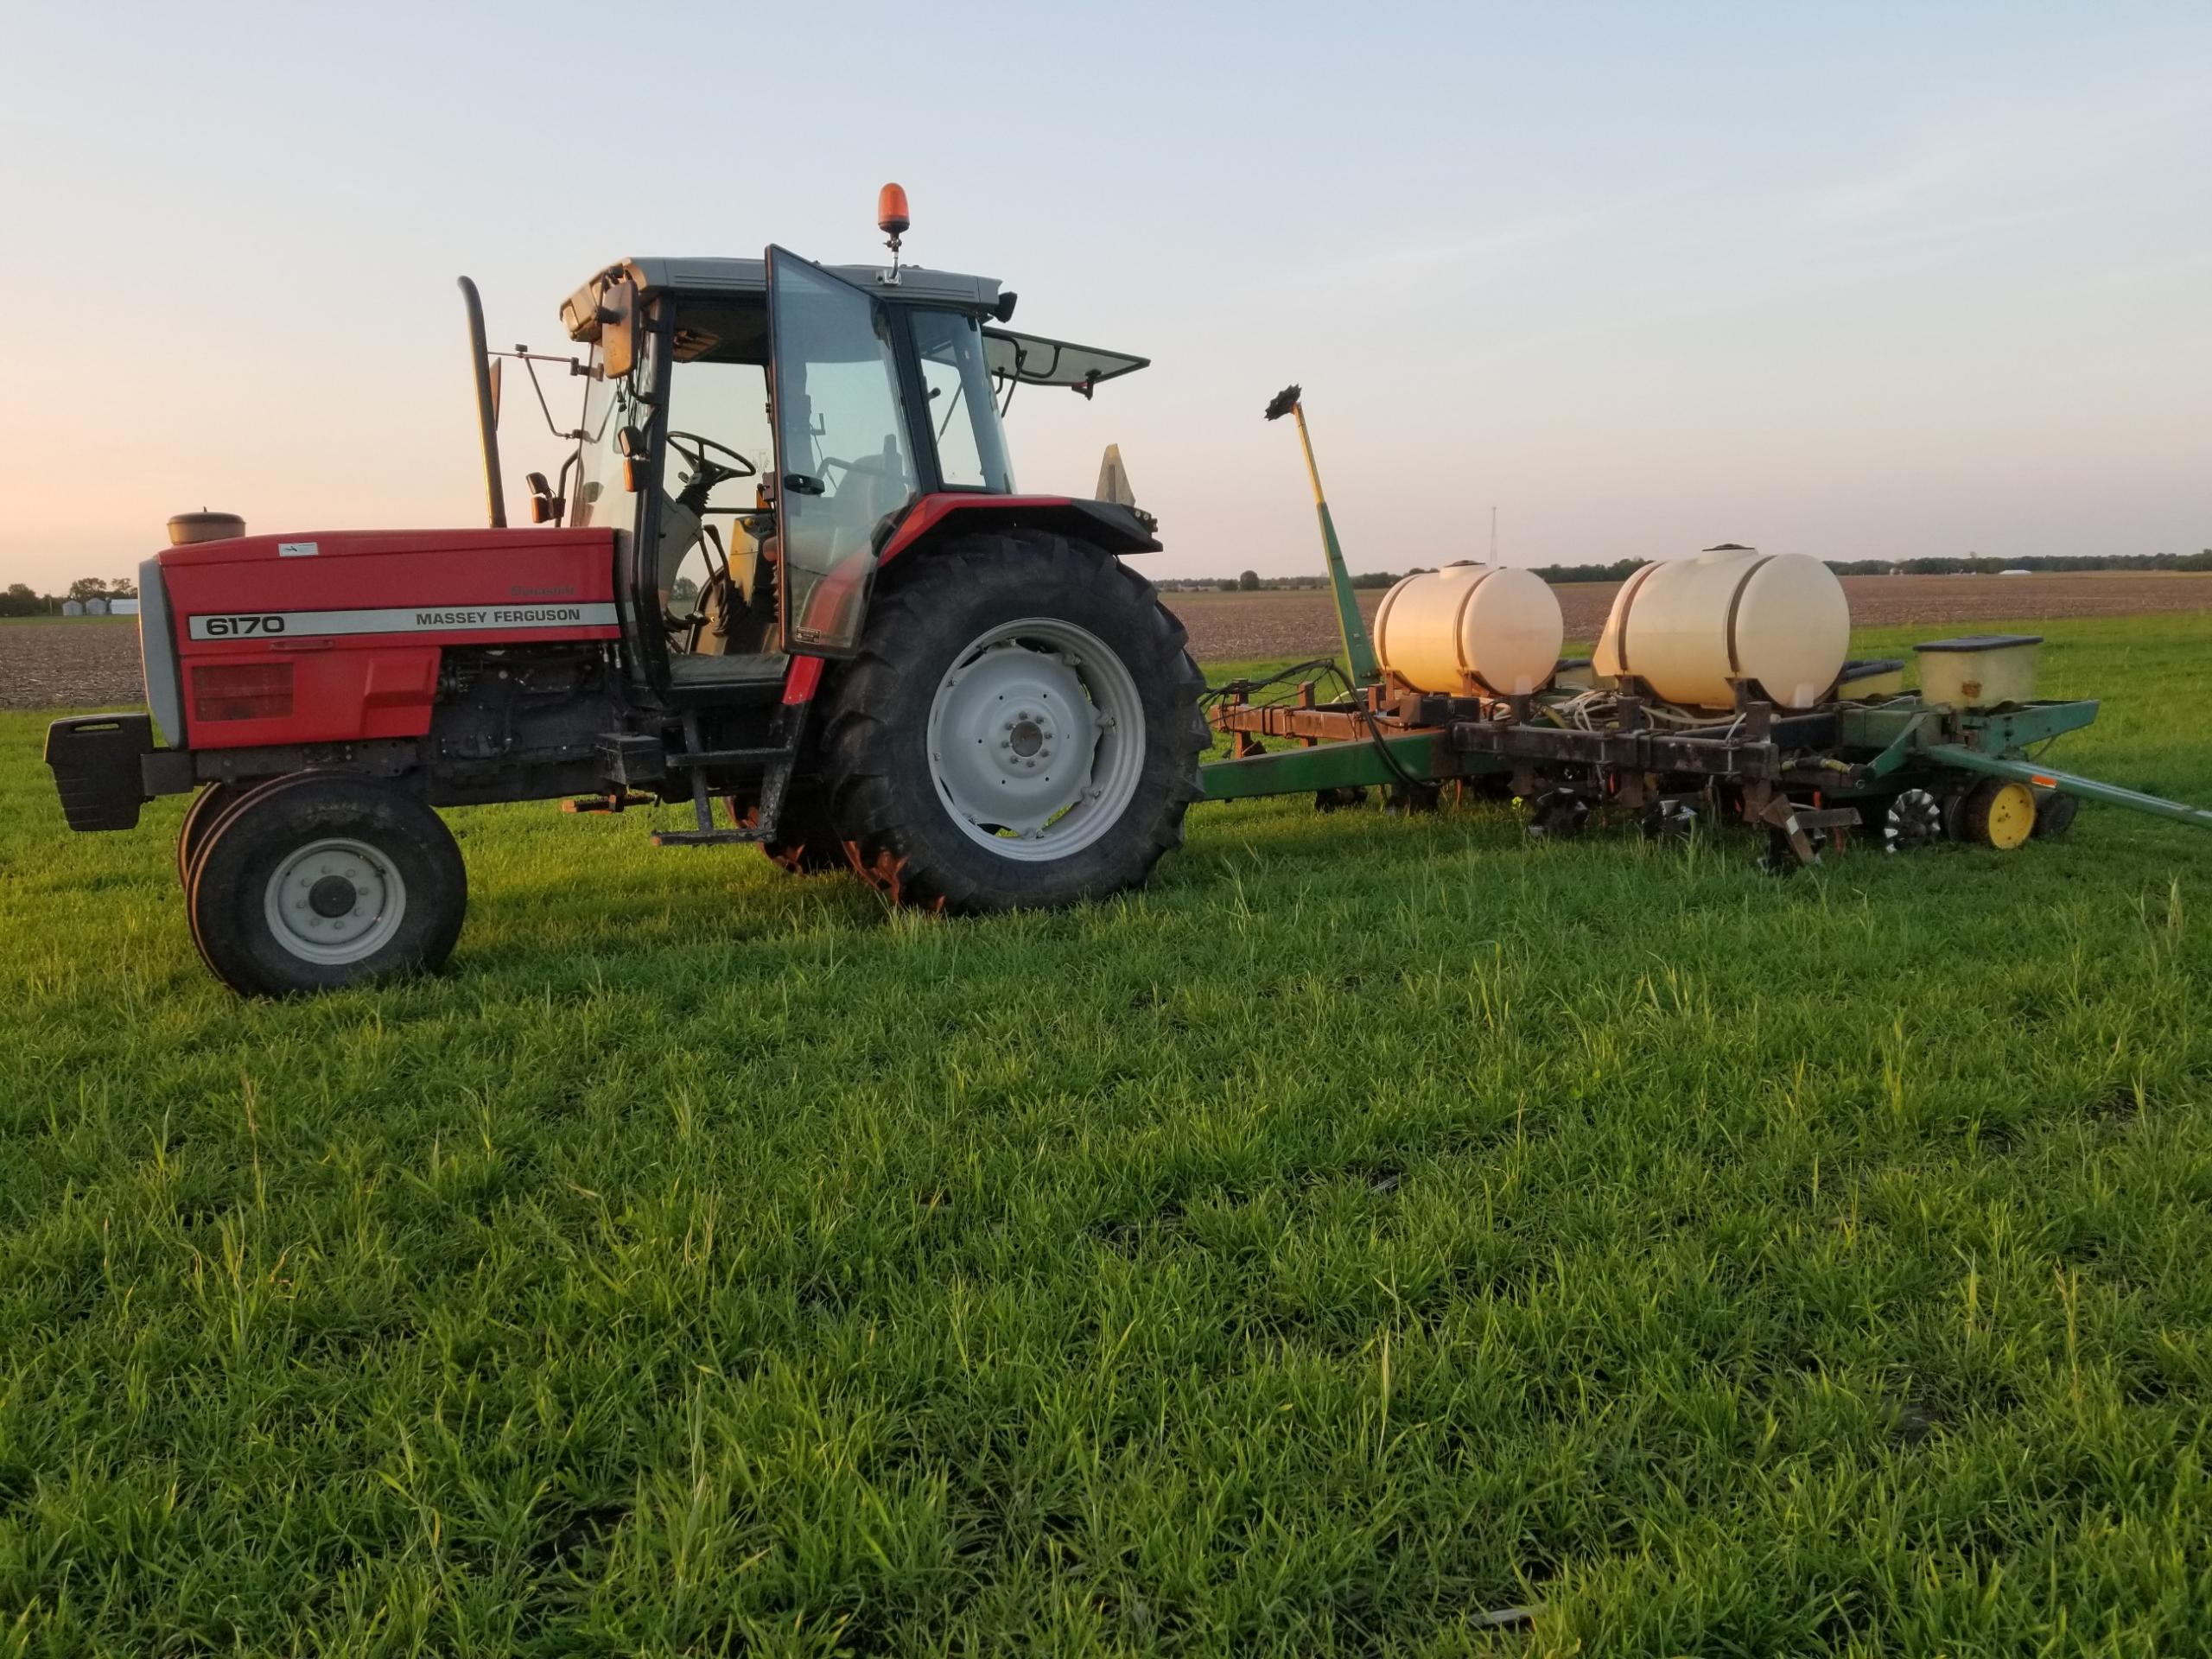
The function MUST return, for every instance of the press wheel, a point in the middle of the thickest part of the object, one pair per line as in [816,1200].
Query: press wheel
[1997,812]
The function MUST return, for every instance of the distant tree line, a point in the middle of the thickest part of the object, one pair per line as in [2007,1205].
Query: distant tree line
[21,599]
[1251,581]
[1621,569]
[1975,564]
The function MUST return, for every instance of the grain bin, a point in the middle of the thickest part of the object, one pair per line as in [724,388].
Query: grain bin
[1691,628]
[1470,629]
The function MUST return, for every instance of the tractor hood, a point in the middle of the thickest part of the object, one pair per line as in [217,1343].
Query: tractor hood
[345,544]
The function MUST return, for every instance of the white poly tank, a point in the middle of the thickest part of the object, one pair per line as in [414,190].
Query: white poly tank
[1688,628]
[1469,629]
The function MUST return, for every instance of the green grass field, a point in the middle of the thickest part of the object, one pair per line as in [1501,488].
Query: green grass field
[1375,1224]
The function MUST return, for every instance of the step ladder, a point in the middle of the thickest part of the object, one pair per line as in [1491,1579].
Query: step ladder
[775,781]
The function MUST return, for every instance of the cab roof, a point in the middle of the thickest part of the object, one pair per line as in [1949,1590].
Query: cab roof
[731,277]
[1031,359]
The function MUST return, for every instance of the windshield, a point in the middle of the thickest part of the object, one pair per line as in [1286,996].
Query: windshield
[602,497]
[963,414]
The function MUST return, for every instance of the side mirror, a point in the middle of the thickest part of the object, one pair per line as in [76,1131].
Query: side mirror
[630,444]
[545,506]
[618,330]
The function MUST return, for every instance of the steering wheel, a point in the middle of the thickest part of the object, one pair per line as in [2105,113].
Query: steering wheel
[706,472]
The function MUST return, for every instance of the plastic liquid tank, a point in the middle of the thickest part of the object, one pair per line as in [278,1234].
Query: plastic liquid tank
[1470,629]
[1690,629]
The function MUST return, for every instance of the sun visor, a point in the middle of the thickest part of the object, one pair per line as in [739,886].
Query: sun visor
[1032,360]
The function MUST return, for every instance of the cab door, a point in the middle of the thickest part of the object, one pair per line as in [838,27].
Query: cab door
[845,468]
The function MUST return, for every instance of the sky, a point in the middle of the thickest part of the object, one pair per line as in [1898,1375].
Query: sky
[1865,281]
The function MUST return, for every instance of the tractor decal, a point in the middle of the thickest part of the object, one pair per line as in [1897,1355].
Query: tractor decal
[317,624]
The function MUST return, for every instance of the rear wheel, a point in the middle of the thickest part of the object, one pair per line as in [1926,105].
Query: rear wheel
[323,882]
[805,841]
[1020,728]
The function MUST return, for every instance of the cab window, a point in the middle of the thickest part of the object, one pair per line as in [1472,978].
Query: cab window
[963,413]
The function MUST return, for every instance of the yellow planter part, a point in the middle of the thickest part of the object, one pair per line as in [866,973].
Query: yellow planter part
[1998,813]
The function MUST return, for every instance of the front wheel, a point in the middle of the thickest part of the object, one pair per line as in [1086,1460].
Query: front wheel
[199,818]
[1020,730]
[325,882]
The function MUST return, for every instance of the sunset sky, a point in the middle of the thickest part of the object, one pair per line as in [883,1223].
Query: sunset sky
[1863,281]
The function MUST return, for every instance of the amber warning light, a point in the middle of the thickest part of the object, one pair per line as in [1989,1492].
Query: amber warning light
[891,215]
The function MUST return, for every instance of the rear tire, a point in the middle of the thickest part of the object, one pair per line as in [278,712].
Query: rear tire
[1019,730]
[805,841]
[323,882]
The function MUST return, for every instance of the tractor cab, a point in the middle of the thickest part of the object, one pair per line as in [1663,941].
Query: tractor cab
[759,430]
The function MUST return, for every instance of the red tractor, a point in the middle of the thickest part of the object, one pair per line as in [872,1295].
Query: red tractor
[785,570]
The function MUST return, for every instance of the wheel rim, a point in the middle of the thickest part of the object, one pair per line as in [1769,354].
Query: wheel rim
[2011,816]
[1036,738]
[334,901]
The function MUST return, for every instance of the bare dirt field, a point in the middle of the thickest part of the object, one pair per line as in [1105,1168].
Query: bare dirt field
[93,662]
[88,662]
[1240,627]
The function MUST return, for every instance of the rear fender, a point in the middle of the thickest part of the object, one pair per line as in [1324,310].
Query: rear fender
[935,518]
[1102,524]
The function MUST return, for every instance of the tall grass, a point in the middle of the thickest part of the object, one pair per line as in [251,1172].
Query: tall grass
[1377,1223]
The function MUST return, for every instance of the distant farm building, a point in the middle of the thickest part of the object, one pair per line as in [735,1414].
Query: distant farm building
[96,607]
[73,608]
[2016,571]
[122,608]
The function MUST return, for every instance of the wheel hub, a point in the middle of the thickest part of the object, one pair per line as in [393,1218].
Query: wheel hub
[334,901]
[332,896]
[1036,738]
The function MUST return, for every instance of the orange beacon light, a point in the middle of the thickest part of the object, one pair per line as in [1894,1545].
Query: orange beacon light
[891,215]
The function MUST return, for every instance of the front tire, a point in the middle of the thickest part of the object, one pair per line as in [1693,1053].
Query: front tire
[209,806]
[1019,730]
[324,883]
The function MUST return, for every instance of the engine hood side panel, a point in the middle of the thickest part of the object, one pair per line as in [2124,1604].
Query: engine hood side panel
[338,638]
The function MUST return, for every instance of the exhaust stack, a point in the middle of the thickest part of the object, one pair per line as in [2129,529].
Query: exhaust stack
[487,404]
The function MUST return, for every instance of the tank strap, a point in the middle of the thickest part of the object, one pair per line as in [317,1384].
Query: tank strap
[1626,604]
[1459,632]
[1735,604]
